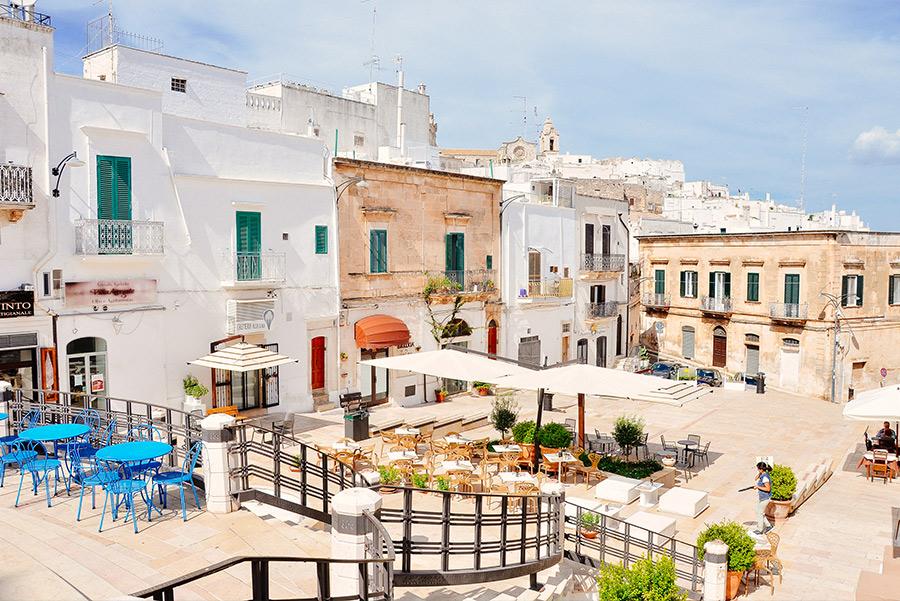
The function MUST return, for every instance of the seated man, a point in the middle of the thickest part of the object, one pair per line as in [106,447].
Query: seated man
[886,438]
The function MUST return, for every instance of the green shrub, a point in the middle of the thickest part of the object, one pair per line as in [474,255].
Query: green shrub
[523,432]
[192,387]
[741,547]
[629,469]
[590,520]
[504,412]
[644,580]
[554,436]
[784,482]
[420,480]
[440,284]
[389,475]
[627,432]
[442,482]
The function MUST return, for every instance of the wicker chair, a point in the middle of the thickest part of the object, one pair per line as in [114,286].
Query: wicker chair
[591,470]
[880,467]
[767,561]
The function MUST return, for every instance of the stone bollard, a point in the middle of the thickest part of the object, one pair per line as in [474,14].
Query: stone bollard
[715,568]
[216,467]
[348,537]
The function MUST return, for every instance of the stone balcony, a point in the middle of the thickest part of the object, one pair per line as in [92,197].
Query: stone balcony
[95,237]
[716,305]
[656,302]
[788,312]
[602,263]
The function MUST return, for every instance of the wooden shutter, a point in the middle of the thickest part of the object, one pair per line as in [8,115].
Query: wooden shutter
[859,290]
[726,278]
[249,234]
[105,170]
[660,284]
[844,286]
[122,188]
[588,238]
[489,262]
[891,290]
[321,239]
[378,251]
[682,284]
[752,286]
[605,239]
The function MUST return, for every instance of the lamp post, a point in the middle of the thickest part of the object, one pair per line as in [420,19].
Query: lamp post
[835,301]
[71,160]
[342,187]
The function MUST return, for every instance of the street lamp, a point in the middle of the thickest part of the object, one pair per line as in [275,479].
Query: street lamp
[71,160]
[835,301]
[506,202]
[359,182]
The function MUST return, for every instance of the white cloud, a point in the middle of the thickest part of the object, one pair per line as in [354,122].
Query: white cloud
[877,146]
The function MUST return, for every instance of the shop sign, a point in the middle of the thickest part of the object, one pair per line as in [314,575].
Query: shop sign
[16,303]
[100,295]
[97,383]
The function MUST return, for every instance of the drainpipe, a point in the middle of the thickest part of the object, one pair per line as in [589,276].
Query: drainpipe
[627,285]
[335,215]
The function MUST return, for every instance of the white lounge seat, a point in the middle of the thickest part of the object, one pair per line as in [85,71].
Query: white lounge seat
[684,501]
[619,489]
[663,526]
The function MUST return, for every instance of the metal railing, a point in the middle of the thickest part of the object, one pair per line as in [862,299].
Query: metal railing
[459,281]
[16,184]
[604,309]
[119,237]
[551,287]
[656,300]
[473,537]
[24,13]
[788,311]
[372,585]
[714,304]
[600,262]
[177,428]
[256,267]
[618,542]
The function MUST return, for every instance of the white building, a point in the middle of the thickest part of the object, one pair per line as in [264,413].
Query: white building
[176,231]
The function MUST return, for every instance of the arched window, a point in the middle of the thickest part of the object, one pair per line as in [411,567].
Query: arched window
[791,344]
[719,331]
[456,328]
[88,344]
[87,368]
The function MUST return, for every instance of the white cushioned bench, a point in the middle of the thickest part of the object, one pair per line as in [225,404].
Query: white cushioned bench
[618,488]
[684,501]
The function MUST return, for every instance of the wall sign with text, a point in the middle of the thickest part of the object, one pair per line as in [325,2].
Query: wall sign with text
[102,294]
[16,303]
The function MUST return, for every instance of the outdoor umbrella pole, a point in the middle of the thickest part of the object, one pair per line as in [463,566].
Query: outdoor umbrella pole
[581,420]
[537,426]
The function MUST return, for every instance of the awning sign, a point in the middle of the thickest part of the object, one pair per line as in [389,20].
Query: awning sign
[16,303]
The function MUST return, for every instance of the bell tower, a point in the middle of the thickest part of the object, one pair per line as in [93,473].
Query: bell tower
[549,141]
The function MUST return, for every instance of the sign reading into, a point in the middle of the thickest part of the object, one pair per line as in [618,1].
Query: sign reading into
[16,303]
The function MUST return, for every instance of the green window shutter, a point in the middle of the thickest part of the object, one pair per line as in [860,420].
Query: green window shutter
[682,284]
[321,239]
[105,169]
[489,262]
[378,251]
[113,187]
[859,290]
[844,287]
[753,287]
[448,252]
[660,276]
[891,290]
[727,282]
[791,289]
[712,283]
[123,188]
[249,234]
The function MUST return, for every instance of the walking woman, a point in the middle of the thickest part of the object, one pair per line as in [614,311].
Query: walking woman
[764,489]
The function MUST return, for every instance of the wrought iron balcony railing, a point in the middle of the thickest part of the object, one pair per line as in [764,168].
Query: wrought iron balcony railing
[16,185]
[20,12]
[257,267]
[712,304]
[604,309]
[460,281]
[655,300]
[119,237]
[788,311]
[600,262]
[547,288]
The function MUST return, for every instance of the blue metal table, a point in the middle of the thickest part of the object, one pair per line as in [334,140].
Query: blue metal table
[136,451]
[54,432]
[3,416]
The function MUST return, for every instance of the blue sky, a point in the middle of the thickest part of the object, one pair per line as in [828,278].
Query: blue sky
[714,84]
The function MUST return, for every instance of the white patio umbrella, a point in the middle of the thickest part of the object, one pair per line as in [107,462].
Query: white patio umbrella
[242,357]
[580,378]
[875,405]
[449,363]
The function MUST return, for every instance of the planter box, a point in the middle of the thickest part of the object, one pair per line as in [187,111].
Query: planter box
[665,476]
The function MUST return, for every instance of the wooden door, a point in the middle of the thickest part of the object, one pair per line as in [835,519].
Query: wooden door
[588,238]
[601,351]
[317,362]
[720,350]
[492,338]
[565,349]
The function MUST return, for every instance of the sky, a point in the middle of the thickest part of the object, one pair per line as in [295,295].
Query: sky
[732,89]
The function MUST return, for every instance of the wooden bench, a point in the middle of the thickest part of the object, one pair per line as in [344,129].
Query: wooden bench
[231,410]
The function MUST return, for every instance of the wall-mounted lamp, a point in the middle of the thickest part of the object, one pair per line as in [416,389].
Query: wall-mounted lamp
[361,184]
[71,160]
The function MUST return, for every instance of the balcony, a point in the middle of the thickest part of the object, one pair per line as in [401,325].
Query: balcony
[656,302]
[595,262]
[790,312]
[602,310]
[712,304]
[119,237]
[547,288]
[16,189]
[19,12]
[248,270]
[458,281]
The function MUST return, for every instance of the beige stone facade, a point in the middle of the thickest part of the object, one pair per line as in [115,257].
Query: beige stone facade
[783,326]
[442,231]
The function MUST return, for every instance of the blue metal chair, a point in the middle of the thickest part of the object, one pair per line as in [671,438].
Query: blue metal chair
[29,420]
[87,472]
[147,432]
[163,480]
[13,456]
[122,490]
[91,418]
[39,466]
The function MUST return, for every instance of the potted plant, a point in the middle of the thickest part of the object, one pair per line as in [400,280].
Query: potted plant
[644,579]
[194,391]
[295,463]
[741,551]
[504,411]
[627,432]
[420,480]
[784,483]
[589,523]
[523,435]
[440,395]
[442,483]
[482,387]
[389,476]
[552,437]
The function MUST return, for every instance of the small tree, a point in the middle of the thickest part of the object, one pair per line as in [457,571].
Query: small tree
[627,431]
[504,412]
[784,482]
[741,547]
[644,580]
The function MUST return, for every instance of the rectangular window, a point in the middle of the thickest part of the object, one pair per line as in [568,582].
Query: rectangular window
[792,288]
[719,284]
[606,238]
[248,245]
[359,140]
[321,239]
[753,287]
[852,291]
[894,290]
[489,262]
[378,251]
[113,187]
[179,85]
[455,258]
[688,284]
[659,281]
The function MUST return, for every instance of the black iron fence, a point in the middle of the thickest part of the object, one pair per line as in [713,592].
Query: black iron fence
[601,262]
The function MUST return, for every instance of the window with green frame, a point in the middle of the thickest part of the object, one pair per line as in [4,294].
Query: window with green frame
[113,187]
[377,251]
[321,239]
[753,287]
[659,281]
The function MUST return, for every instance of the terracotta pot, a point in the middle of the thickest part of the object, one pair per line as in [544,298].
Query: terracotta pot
[778,510]
[590,534]
[483,391]
[439,397]
[732,584]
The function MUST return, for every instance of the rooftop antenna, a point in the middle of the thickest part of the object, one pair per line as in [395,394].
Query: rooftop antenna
[803,126]
[524,114]
[374,62]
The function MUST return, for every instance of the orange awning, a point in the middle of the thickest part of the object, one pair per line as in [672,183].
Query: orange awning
[380,331]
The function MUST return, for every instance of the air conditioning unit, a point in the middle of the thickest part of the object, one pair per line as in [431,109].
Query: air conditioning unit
[247,316]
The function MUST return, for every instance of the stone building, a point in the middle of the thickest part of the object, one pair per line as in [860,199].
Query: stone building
[760,302]
[407,236]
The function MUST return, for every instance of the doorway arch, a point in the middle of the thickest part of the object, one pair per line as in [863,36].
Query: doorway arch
[87,366]
[581,350]
[317,363]
[720,347]
[619,334]
[492,337]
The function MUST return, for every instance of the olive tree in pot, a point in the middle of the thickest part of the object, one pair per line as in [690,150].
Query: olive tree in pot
[627,432]
[784,483]
[741,551]
[504,411]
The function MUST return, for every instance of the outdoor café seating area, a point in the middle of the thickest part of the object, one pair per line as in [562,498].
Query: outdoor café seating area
[128,469]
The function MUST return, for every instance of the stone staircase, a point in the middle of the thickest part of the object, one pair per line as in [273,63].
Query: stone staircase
[321,402]
[881,586]
[675,393]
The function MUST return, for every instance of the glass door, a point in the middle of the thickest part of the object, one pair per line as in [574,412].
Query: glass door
[19,368]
